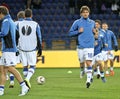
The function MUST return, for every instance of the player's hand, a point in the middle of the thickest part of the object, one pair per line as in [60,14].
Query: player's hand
[81,30]
[106,45]
[17,53]
[96,43]
[39,53]
[116,48]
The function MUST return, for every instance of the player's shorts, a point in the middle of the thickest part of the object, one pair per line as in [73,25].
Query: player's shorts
[8,59]
[106,56]
[28,58]
[18,59]
[85,54]
[96,58]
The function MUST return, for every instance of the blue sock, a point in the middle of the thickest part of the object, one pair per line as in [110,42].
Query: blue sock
[25,71]
[11,77]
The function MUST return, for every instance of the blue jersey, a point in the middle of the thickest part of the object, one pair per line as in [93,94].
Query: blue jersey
[103,36]
[86,38]
[111,40]
[98,47]
[8,35]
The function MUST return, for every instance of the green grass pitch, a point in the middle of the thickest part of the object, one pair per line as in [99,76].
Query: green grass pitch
[62,85]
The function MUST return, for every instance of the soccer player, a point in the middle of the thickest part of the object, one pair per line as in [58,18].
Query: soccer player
[97,59]
[108,51]
[104,43]
[20,17]
[83,29]
[29,41]
[8,58]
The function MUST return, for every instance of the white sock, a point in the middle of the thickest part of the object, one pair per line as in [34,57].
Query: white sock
[30,73]
[89,74]
[111,68]
[102,74]
[107,72]
[98,70]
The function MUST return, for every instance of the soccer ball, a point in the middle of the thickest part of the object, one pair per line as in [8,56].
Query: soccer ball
[40,80]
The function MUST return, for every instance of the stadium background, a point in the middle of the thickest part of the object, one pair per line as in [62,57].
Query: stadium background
[55,20]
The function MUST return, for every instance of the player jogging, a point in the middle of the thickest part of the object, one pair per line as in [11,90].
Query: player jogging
[107,52]
[83,29]
[97,59]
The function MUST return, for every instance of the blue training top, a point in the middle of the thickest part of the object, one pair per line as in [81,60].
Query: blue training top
[85,39]
[8,35]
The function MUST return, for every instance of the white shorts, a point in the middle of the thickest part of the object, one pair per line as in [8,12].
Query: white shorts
[106,56]
[28,58]
[18,59]
[8,59]
[96,58]
[85,54]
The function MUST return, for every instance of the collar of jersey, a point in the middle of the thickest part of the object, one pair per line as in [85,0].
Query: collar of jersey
[29,19]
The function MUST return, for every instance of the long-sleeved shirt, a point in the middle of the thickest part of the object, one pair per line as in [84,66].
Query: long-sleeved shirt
[8,35]
[85,39]
[111,40]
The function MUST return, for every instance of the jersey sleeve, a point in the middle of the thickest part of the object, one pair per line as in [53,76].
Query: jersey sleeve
[74,29]
[5,28]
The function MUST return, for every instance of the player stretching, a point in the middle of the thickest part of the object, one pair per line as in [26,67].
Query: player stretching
[8,58]
[83,29]
[20,17]
[29,42]
[108,53]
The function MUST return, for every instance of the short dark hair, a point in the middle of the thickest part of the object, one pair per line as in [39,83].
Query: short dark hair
[28,12]
[4,10]
[98,21]
[21,14]
[84,8]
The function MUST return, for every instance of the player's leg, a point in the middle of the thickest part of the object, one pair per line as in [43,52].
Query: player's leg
[24,61]
[18,76]
[111,57]
[101,70]
[11,81]
[105,59]
[111,67]
[8,58]
[31,57]
[25,71]
[2,80]
[82,63]
[89,52]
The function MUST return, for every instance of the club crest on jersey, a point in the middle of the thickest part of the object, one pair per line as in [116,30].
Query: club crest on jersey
[26,30]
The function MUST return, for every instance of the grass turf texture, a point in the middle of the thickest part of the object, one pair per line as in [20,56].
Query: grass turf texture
[62,85]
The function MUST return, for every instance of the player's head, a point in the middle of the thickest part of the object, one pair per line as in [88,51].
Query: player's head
[104,26]
[28,13]
[97,24]
[21,14]
[3,11]
[84,11]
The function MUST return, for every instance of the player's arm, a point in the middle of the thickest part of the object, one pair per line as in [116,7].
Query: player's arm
[17,34]
[4,29]
[115,42]
[105,44]
[74,31]
[39,40]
